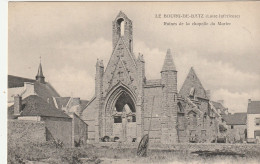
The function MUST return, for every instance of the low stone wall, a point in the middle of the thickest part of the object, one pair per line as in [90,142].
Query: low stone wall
[239,148]
[26,131]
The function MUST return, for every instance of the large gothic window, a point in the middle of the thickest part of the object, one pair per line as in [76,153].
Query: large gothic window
[124,108]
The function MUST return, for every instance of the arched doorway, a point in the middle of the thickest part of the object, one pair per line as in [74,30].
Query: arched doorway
[121,115]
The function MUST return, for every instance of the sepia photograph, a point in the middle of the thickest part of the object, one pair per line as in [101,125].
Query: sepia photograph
[133,82]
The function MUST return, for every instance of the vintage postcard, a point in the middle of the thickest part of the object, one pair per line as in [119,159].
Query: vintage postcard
[133,82]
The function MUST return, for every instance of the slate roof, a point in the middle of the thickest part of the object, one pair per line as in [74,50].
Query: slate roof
[235,119]
[15,81]
[168,64]
[218,105]
[35,106]
[62,101]
[44,90]
[84,103]
[253,107]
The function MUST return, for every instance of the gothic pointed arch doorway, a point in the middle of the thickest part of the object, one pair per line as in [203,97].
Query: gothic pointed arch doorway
[120,115]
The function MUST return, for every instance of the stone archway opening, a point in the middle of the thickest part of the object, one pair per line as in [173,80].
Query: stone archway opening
[121,26]
[124,116]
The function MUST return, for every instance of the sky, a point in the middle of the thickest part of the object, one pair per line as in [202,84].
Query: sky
[70,36]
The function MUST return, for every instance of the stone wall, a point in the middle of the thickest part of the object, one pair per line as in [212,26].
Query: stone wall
[26,131]
[156,106]
[237,134]
[59,129]
[90,117]
[79,130]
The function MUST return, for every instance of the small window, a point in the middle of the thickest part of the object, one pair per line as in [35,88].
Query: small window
[134,119]
[130,45]
[192,92]
[257,121]
[117,119]
[232,127]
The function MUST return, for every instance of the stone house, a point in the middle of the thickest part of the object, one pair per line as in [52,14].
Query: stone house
[236,124]
[253,121]
[37,91]
[125,102]
[58,125]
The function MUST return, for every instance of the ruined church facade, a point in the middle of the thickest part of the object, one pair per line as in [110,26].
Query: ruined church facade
[127,106]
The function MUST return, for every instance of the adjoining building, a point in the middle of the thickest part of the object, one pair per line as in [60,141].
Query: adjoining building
[58,125]
[73,106]
[38,112]
[253,121]
[237,127]
[125,101]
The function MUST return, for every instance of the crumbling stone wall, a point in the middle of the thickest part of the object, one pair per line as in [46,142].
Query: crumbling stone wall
[26,131]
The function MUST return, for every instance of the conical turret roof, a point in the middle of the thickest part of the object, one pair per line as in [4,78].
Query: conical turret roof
[168,64]
[39,76]
[40,73]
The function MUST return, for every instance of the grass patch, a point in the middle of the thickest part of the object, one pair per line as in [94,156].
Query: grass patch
[50,153]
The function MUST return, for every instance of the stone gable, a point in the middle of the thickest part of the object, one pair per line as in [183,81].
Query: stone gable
[121,67]
[192,84]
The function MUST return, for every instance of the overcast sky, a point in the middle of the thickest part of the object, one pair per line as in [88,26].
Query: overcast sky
[70,37]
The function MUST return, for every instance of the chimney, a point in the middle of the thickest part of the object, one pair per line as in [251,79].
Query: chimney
[208,94]
[221,102]
[249,101]
[17,104]
[29,88]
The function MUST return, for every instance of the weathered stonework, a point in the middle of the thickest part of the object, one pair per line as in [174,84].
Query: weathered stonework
[26,131]
[126,105]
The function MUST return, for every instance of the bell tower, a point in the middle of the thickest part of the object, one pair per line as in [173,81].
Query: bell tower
[39,77]
[122,28]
